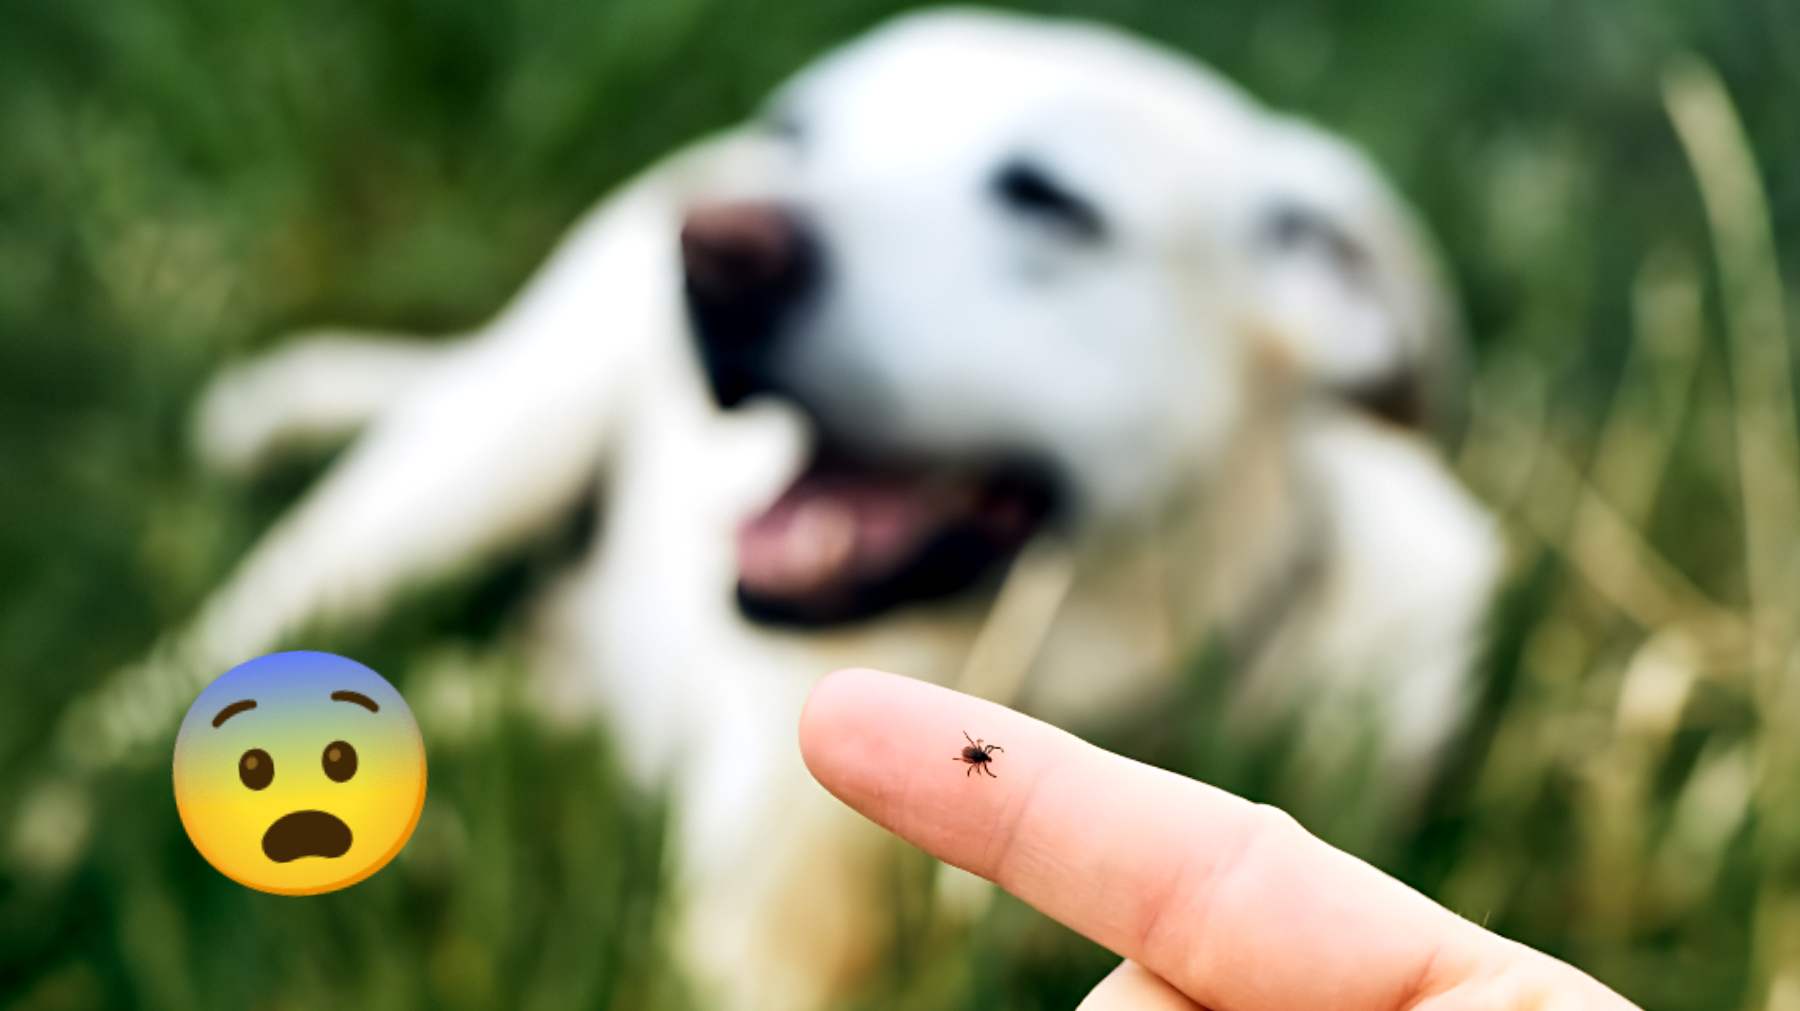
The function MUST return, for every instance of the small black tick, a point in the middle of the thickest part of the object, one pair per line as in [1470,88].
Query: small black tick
[978,754]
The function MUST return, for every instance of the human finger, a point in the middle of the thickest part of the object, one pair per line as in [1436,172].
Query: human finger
[1131,987]
[1232,903]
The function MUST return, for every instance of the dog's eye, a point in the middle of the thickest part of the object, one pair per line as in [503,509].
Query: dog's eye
[1291,228]
[1029,191]
[784,125]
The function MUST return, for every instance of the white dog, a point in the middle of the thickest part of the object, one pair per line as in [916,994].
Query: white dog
[1014,355]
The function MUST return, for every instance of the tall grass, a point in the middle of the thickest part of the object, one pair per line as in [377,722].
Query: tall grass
[1616,187]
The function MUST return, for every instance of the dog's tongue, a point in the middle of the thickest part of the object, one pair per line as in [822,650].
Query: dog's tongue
[840,533]
[841,529]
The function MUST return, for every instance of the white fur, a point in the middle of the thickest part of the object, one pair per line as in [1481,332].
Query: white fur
[1182,374]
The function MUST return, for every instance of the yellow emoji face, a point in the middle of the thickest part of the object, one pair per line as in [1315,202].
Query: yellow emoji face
[299,773]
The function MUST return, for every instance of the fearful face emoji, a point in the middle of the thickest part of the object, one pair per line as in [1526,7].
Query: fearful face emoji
[299,773]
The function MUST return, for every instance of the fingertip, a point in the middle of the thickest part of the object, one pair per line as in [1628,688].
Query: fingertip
[831,701]
[828,693]
[833,709]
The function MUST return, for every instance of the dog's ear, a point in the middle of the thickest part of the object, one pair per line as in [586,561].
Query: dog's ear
[1347,288]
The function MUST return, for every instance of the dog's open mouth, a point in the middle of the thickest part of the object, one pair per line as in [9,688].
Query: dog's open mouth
[850,539]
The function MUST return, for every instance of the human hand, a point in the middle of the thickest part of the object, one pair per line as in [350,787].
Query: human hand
[1214,902]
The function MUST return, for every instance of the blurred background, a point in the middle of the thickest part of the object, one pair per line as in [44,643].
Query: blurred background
[1616,186]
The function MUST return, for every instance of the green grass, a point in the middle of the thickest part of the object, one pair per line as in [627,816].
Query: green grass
[181,181]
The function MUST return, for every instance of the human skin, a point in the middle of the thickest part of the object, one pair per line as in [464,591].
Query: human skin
[1213,901]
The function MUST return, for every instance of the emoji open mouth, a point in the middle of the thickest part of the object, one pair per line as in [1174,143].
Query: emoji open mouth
[306,834]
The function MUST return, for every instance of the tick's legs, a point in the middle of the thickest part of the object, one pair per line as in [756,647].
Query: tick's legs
[990,772]
[971,769]
[995,747]
[966,737]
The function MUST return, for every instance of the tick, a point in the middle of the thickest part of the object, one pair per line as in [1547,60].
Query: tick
[977,755]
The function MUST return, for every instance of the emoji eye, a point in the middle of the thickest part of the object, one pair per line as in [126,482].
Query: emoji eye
[256,769]
[340,761]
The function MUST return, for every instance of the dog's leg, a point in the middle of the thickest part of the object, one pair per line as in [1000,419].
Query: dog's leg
[316,388]
[776,897]
[500,435]
[1394,629]
[783,898]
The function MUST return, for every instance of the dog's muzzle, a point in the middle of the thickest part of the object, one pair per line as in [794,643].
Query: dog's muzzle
[854,535]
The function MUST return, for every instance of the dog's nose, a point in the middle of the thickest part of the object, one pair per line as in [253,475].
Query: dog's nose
[732,251]
[747,264]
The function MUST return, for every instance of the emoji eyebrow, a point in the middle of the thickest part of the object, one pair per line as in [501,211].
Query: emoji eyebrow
[356,697]
[232,710]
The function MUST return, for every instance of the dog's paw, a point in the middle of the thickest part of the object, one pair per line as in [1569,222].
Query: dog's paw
[315,390]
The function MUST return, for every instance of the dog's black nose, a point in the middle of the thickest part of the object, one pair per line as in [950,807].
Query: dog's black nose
[747,266]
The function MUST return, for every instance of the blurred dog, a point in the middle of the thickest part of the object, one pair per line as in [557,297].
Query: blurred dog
[1020,356]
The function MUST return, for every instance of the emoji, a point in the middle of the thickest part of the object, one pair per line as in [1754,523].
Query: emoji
[299,773]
